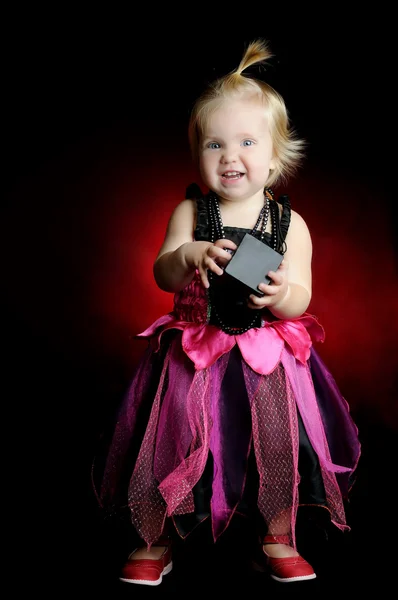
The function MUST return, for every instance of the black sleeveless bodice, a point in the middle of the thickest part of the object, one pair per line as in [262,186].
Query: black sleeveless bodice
[228,297]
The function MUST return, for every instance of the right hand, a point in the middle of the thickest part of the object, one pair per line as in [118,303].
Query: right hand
[207,256]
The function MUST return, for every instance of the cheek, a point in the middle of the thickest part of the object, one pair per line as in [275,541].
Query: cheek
[260,165]
[268,162]
[207,164]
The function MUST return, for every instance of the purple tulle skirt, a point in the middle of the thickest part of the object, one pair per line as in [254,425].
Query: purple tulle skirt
[176,415]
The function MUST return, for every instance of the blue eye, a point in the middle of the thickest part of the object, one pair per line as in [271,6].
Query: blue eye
[247,143]
[214,145]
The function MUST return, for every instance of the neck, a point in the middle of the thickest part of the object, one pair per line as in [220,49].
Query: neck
[241,213]
[217,221]
[251,202]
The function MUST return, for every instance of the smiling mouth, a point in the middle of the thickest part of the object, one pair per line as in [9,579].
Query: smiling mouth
[232,175]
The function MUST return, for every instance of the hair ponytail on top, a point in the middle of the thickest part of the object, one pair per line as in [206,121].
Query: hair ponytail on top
[288,150]
[256,52]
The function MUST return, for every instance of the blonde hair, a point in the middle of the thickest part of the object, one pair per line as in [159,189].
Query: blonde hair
[287,148]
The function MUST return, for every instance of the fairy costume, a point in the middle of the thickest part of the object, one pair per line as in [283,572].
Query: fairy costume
[224,392]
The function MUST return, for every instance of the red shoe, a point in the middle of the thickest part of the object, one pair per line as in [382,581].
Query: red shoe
[146,571]
[289,569]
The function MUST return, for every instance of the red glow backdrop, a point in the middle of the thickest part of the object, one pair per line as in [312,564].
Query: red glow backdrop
[87,260]
[351,274]
[94,182]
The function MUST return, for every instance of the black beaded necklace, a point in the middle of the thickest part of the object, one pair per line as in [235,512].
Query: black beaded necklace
[217,232]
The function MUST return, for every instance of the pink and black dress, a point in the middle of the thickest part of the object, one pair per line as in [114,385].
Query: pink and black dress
[217,423]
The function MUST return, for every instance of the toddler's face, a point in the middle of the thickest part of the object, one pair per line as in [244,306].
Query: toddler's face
[235,153]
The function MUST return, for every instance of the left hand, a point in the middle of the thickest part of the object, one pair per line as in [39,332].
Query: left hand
[275,292]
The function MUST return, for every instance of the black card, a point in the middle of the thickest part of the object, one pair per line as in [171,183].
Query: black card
[251,262]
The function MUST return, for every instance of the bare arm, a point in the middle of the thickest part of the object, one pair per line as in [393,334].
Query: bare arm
[171,271]
[180,255]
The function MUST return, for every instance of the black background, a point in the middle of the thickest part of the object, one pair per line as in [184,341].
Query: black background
[76,84]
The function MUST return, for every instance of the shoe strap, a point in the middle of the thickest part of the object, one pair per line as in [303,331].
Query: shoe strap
[276,539]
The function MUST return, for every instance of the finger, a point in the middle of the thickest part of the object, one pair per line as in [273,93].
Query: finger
[215,268]
[268,290]
[256,306]
[251,304]
[225,243]
[222,253]
[224,259]
[277,278]
[204,278]
[257,301]
[220,256]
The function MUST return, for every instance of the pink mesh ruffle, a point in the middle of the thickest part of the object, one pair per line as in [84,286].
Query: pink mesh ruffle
[177,441]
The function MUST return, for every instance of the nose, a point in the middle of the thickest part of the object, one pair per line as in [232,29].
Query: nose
[228,155]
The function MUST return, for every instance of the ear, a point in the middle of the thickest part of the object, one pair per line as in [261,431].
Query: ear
[272,164]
